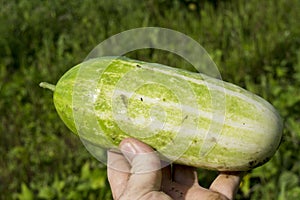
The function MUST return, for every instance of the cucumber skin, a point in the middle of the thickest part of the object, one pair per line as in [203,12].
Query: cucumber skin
[249,136]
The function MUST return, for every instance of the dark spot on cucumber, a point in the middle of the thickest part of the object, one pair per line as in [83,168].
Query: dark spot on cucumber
[172,140]
[164,99]
[213,139]
[141,99]
[184,119]
[114,137]
[124,100]
[256,163]
[243,123]
[252,163]
[263,161]
[266,159]
[138,66]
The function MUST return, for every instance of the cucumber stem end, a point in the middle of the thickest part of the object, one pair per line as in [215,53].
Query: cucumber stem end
[47,86]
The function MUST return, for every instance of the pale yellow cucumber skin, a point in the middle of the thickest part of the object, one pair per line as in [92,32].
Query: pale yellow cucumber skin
[245,135]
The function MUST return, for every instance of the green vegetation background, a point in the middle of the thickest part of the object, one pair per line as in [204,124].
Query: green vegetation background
[255,44]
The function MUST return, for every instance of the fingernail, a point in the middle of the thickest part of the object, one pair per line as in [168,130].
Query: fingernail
[128,150]
[131,149]
[128,147]
[134,147]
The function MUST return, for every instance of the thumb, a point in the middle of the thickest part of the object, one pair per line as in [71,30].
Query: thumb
[145,169]
[142,158]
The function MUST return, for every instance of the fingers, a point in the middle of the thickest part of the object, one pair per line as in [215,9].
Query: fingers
[184,184]
[227,184]
[135,174]
[179,191]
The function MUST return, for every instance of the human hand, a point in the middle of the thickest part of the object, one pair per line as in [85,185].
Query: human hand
[142,179]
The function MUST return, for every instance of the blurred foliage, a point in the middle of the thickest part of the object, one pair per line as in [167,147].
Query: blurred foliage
[255,44]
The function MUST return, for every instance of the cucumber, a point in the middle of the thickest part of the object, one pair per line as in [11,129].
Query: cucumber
[189,118]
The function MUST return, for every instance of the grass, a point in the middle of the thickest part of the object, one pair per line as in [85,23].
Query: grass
[255,44]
